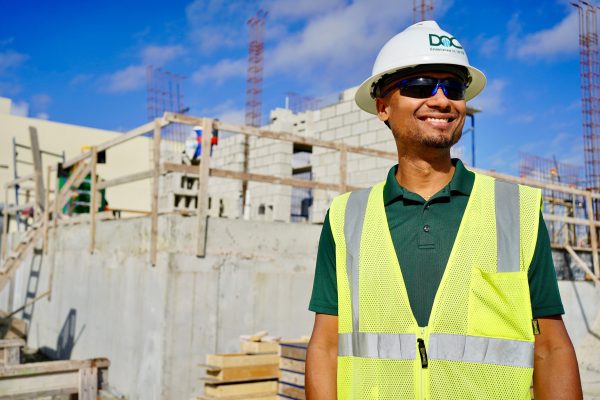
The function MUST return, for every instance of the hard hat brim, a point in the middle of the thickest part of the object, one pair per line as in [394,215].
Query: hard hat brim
[367,103]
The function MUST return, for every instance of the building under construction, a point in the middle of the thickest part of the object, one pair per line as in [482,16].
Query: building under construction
[173,265]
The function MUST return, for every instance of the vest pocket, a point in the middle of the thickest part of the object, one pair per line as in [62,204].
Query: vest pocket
[499,305]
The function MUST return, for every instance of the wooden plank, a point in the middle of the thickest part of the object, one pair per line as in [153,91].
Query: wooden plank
[250,347]
[36,156]
[260,396]
[93,198]
[154,199]
[47,367]
[570,220]
[240,389]
[138,176]
[15,209]
[294,378]
[6,343]
[240,360]
[593,235]
[88,384]
[343,168]
[4,226]
[19,180]
[283,136]
[292,365]
[295,351]
[125,137]
[582,264]
[223,173]
[203,174]
[292,391]
[34,386]
[47,210]
[246,372]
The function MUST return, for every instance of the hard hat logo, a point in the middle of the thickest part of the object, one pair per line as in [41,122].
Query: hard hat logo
[435,40]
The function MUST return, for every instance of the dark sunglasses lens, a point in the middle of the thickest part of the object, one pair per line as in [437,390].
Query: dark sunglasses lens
[423,88]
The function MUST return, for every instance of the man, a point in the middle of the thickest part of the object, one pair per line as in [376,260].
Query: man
[438,283]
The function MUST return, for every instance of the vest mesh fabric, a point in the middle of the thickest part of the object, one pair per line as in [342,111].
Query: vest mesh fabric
[473,299]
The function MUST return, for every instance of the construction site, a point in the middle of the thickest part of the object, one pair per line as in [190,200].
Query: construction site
[176,260]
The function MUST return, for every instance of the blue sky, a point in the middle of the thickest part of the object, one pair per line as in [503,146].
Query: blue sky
[83,62]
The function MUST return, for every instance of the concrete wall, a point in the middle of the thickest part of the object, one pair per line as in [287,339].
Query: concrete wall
[156,324]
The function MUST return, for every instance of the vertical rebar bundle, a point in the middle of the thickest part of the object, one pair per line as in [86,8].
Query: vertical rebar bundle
[590,91]
[422,10]
[164,92]
[256,49]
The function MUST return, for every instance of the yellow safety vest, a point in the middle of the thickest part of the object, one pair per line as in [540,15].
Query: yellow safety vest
[479,341]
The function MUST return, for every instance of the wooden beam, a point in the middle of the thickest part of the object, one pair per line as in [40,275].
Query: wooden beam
[15,209]
[283,136]
[343,168]
[138,176]
[88,384]
[223,173]
[36,156]
[48,367]
[593,234]
[570,220]
[154,200]
[4,225]
[582,264]
[125,137]
[203,174]
[19,180]
[93,198]
[47,210]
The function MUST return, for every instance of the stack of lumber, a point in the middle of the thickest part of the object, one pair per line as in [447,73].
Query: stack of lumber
[251,374]
[292,363]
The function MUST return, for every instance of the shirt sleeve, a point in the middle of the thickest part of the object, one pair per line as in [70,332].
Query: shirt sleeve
[324,294]
[543,286]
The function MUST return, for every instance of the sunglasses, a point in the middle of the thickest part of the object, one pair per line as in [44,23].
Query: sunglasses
[423,87]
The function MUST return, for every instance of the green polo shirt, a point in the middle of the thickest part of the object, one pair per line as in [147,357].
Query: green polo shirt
[423,234]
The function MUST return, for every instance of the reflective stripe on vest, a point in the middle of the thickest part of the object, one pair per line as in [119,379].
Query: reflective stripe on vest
[450,347]
[442,346]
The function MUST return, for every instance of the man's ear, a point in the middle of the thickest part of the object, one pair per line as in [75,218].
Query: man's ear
[382,109]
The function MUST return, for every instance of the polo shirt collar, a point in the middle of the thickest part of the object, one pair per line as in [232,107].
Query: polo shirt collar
[461,183]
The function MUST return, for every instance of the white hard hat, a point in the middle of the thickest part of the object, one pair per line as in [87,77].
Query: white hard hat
[418,45]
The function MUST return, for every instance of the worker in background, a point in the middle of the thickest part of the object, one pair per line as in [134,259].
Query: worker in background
[437,283]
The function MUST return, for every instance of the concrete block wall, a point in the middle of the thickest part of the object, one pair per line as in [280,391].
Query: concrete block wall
[345,122]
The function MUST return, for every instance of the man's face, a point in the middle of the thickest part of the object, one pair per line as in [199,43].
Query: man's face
[433,122]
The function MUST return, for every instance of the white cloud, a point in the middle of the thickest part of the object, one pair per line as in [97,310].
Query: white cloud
[491,100]
[332,44]
[294,9]
[40,101]
[226,112]
[126,80]
[80,78]
[20,109]
[158,56]
[488,46]
[561,39]
[218,24]
[42,115]
[221,71]
[10,60]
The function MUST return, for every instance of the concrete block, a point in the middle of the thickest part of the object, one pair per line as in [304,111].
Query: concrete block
[328,112]
[342,108]
[334,122]
[367,139]
[351,118]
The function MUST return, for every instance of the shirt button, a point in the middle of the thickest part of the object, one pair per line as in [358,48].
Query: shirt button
[427,206]
[426,228]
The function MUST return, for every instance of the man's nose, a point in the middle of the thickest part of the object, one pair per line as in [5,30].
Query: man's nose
[438,97]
